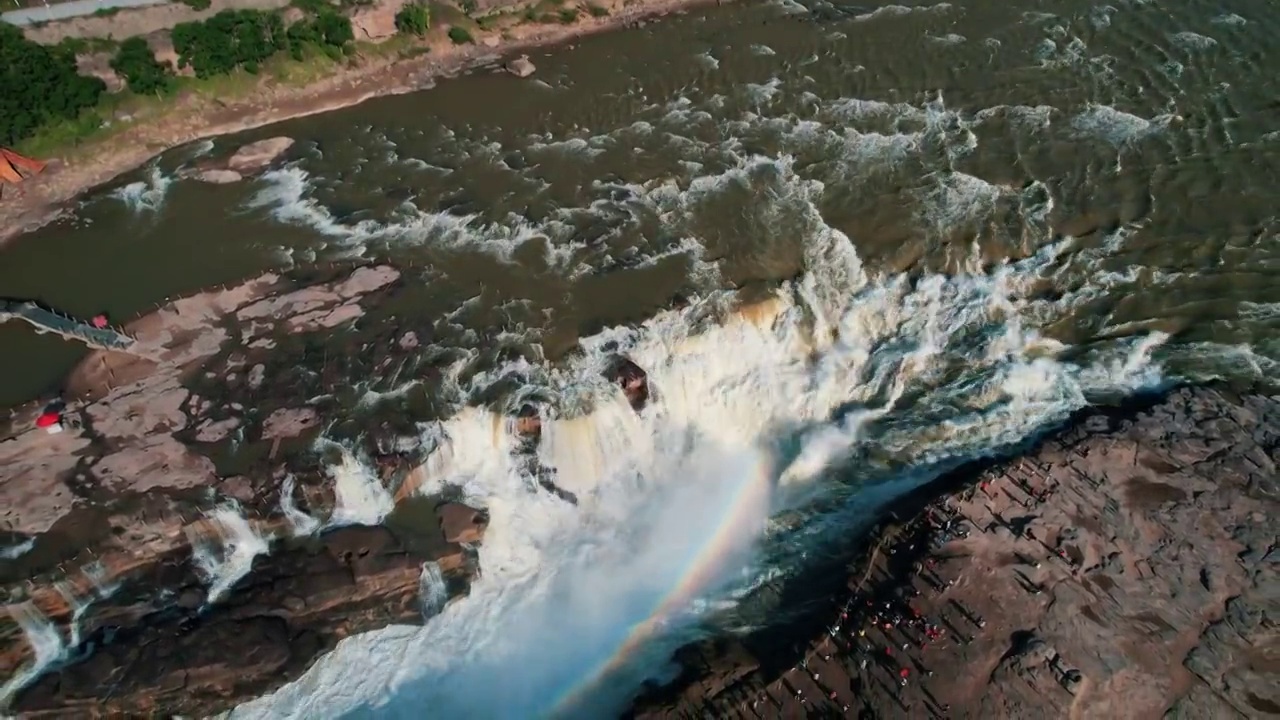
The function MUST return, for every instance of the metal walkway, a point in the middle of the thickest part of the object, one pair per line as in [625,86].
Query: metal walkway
[47,320]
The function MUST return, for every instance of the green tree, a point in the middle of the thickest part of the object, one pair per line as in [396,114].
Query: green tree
[229,40]
[141,71]
[300,36]
[39,84]
[330,32]
[460,36]
[335,29]
[413,19]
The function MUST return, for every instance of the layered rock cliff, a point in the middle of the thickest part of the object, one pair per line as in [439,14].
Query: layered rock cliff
[1124,567]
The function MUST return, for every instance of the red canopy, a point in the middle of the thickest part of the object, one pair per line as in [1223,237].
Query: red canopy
[48,419]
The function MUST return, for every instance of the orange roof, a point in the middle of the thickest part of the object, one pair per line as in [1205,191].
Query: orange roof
[14,167]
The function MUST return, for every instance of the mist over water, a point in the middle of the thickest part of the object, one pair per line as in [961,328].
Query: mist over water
[844,266]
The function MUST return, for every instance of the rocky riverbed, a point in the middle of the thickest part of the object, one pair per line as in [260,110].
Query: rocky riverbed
[181,546]
[1124,567]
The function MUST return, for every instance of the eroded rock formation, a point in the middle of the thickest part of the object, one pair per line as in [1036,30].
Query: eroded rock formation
[1124,568]
[171,545]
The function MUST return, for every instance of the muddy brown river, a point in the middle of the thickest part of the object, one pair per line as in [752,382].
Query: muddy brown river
[954,223]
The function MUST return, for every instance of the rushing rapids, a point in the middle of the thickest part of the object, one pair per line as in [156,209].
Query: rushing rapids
[682,339]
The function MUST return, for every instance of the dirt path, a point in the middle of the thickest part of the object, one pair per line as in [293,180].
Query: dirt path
[45,197]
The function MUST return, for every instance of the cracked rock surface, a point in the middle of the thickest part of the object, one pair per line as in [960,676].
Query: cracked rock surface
[108,603]
[1124,567]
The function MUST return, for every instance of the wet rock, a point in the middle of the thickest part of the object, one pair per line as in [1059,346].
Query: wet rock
[289,422]
[632,379]
[238,487]
[217,176]
[529,422]
[521,67]
[461,524]
[197,660]
[215,430]
[258,155]
[408,341]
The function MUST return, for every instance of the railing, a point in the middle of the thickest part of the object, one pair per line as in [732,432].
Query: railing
[49,320]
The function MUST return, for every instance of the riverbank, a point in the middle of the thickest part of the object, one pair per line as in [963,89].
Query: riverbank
[374,73]
[1122,567]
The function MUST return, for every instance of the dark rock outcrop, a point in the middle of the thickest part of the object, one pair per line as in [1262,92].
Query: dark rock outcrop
[1123,568]
[187,657]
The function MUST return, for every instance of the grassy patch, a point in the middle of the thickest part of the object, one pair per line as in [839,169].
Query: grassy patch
[597,11]
[89,45]
[567,16]
[56,137]
[315,65]
[105,12]
[116,113]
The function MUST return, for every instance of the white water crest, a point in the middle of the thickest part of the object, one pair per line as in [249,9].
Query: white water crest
[303,524]
[47,648]
[360,497]
[841,391]
[229,555]
[13,552]
[146,195]
[432,591]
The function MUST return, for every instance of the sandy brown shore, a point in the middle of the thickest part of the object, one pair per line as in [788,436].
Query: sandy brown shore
[1124,568]
[45,197]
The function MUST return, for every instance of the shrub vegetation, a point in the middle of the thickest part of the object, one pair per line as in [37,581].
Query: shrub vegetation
[38,85]
[142,73]
[413,19]
[41,88]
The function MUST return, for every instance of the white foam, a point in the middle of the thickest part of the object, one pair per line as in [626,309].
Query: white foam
[1229,19]
[1116,126]
[1192,41]
[889,11]
[46,644]
[1100,16]
[303,524]
[1260,312]
[764,392]
[228,556]
[147,195]
[13,552]
[432,591]
[360,497]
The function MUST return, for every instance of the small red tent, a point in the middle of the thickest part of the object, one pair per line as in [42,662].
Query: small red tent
[48,419]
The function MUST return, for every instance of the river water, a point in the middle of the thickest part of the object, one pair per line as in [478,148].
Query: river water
[851,245]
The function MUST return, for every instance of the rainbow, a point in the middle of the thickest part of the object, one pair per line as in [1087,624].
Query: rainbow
[734,528]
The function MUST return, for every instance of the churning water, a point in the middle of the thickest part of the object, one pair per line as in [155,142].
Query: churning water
[851,247]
